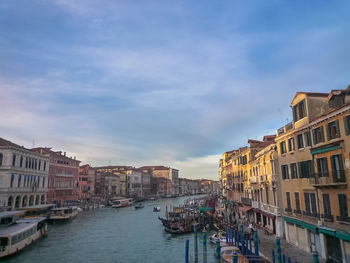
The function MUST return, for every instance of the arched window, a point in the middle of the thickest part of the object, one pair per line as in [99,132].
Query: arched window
[1,157]
[9,201]
[24,201]
[31,200]
[21,161]
[42,199]
[43,182]
[37,198]
[17,202]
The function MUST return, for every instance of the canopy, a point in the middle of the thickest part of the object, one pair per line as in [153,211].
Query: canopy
[244,208]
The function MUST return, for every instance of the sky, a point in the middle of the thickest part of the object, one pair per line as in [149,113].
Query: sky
[174,83]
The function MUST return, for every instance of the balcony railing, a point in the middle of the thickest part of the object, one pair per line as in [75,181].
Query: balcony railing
[246,201]
[309,213]
[288,210]
[297,211]
[337,178]
[343,218]
[327,217]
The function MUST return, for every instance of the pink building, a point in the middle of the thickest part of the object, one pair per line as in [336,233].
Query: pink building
[63,177]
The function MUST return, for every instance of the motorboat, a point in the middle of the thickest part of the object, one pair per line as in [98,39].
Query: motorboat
[220,235]
[17,232]
[156,209]
[139,206]
[226,253]
[122,202]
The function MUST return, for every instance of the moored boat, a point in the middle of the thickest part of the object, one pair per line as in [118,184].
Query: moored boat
[139,206]
[63,213]
[17,233]
[156,209]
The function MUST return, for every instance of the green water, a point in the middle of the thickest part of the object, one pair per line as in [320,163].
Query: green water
[112,235]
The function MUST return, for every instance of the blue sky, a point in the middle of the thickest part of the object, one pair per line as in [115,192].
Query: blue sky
[175,83]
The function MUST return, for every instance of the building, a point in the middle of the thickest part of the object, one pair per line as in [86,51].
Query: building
[313,156]
[171,174]
[23,176]
[139,185]
[63,187]
[87,176]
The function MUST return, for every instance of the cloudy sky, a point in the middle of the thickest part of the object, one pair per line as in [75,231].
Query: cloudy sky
[173,83]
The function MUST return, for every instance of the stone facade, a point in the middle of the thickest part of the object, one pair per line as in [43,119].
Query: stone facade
[23,176]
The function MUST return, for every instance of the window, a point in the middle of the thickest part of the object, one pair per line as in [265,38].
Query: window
[297,202]
[291,146]
[21,161]
[44,166]
[39,167]
[26,162]
[307,138]
[293,171]
[283,147]
[305,169]
[299,111]
[19,181]
[343,205]
[318,135]
[300,141]
[337,168]
[285,172]
[347,124]
[14,160]
[289,206]
[1,157]
[310,204]
[322,167]
[326,204]
[12,179]
[38,183]
[333,130]
[43,182]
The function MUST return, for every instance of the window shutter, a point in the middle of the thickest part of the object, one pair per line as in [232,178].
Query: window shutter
[346,118]
[328,131]
[295,118]
[337,126]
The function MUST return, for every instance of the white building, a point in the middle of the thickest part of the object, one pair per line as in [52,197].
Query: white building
[23,176]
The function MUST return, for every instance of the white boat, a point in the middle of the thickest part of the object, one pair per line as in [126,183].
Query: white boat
[16,233]
[63,213]
[226,253]
[122,202]
[220,235]
[156,209]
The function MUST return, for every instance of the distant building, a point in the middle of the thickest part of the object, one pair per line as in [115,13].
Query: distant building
[63,185]
[87,176]
[23,176]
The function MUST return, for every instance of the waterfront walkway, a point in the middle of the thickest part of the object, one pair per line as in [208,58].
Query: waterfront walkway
[268,242]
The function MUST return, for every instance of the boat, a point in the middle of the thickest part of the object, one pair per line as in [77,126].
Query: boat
[226,253]
[122,202]
[156,209]
[139,206]
[37,210]
[17,232]
[63,213]
[220,235]
[152,198]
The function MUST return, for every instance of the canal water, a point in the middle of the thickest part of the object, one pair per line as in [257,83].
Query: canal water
[112,235]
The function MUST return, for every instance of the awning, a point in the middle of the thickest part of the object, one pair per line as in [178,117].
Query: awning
[301,223]
[328,149]
[244,208]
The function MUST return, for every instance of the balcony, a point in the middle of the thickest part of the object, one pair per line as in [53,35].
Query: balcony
[297,212]
[256,204]
[311,214]
[246,201]
[327,217]
[343,218]
[288,210]
[337,179]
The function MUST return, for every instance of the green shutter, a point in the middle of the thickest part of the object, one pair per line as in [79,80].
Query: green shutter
[328,133]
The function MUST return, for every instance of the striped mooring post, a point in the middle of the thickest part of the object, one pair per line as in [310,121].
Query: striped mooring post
[256,242]
[279,251]
[234,256]
[315,257]
[195,243]
[218,250]
[204,246]
[187,250]
[227,235]
[273,256]
[242,237]
[284,258]
[289,260]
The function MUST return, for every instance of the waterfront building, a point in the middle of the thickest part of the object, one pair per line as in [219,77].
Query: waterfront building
[313,155]
[23,176]
[86,182]
[139,185]
[264,186]
[171,174]
[63,181]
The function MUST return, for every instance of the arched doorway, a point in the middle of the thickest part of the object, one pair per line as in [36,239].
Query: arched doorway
[31,200]
[17,202]
[25,201]
[10,201]
[43,199]
[37,199]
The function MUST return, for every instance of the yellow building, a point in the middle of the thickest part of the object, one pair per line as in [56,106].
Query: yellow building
[313,155]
